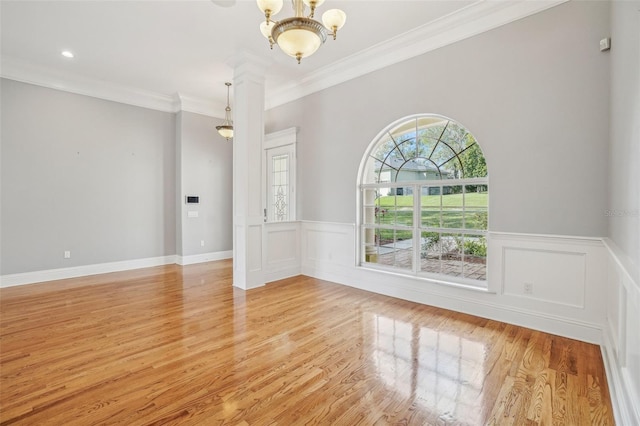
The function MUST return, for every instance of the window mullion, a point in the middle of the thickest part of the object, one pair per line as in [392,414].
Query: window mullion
[451,227]
[417,221]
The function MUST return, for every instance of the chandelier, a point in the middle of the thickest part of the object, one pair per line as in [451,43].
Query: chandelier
[226,128]
[299,36]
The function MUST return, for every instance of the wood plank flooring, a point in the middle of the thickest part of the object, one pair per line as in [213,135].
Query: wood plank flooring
[179,345]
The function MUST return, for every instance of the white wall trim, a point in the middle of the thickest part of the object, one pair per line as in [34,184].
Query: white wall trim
[11,280]
[204,257]
[618,339]
[624,263]
[481,16]
[281,258]
[475,19]
[201,106]
[14,69]
[280,138]
[328,252]
[403,288]
[561,239]
[17,70]
[270,277]
[623,412]
[81,271]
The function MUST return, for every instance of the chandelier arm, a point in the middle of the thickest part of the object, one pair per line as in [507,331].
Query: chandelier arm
[301,35]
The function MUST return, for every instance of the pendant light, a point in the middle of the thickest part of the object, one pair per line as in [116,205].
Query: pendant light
[226,128]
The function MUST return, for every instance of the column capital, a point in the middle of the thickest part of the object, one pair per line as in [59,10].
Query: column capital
[246,64]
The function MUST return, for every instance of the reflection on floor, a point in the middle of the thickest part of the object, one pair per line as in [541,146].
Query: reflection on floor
[179,345]
[443,371]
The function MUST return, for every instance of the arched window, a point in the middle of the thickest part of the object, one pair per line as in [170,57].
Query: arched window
[424,201]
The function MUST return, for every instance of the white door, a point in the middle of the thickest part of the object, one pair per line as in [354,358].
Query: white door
[280,180]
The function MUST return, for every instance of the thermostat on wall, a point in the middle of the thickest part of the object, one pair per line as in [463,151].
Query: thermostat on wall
[192,199]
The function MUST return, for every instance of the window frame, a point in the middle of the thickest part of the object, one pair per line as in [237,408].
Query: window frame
[282,142]
[417,228]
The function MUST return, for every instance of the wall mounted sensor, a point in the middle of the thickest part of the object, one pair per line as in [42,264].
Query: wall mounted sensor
[605,44]
[191,199]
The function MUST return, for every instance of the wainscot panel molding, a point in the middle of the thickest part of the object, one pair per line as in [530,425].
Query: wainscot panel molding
[282,250]
[621,342]
[583,288]
[204,257]
[572,277]
[565,274]
[84,270]
[572,309]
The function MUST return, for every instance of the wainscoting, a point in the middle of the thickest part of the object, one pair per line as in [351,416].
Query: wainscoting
[621,335]
[564,275]
[576,287]
[568,281]
[281,250]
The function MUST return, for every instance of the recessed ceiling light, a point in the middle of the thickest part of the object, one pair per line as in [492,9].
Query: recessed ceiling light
[67,54]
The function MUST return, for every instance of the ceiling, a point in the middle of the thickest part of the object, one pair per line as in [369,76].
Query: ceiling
[162,49]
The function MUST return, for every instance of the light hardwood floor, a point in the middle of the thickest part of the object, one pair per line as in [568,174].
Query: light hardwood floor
[180,345]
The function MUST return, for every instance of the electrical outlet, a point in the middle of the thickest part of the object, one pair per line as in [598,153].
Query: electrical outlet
[528,288]
[67,254]
[201,243]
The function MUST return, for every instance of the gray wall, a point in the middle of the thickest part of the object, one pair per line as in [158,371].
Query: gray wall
[205,161]
[82,174]
[624,163]
[535,93]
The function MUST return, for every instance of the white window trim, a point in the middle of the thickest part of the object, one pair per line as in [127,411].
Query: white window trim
[283,138]
[414,272]
[427,276]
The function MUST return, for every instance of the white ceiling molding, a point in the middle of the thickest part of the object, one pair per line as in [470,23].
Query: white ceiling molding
[280,138]
[14,69]
[476,18]
[199,106]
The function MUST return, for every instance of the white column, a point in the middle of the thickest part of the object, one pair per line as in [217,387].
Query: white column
[248,132]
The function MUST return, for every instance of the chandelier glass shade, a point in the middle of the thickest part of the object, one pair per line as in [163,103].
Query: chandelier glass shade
[299,36]
[226,128]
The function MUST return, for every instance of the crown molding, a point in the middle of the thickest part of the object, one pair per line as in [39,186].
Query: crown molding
[14,69]
[199,106]
[479,17]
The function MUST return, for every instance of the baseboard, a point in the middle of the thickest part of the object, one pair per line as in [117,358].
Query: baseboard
[472,304]
[282,274]
[80,271]
[204,257]
[624,411]
[103,268]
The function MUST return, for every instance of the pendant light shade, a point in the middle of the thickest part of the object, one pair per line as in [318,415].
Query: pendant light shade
[301,35]
[226,128]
